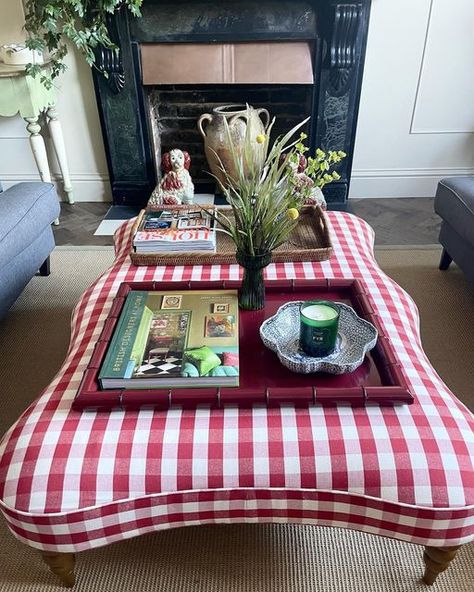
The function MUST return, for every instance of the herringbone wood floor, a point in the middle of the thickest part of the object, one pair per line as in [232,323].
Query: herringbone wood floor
[78,223]
[407,221]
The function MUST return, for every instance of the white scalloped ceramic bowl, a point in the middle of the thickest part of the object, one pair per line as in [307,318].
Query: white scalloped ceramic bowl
[355,338]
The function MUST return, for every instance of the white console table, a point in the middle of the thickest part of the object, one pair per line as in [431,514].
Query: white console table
[27,96]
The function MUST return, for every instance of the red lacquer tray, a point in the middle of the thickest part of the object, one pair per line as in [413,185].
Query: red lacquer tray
[263,379]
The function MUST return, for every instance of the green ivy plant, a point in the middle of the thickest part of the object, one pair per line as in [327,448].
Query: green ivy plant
[50,23]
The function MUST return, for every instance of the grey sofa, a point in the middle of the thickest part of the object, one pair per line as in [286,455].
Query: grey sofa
[454,202]
[27,211]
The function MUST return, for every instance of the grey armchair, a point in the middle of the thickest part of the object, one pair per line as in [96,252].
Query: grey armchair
[454,202]
[27,211]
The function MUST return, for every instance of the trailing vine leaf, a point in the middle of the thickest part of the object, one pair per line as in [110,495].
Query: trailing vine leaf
[51,23]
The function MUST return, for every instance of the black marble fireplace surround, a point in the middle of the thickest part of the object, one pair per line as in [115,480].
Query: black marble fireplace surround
[336,30]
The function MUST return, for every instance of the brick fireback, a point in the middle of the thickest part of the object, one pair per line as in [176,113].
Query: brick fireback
[175,110]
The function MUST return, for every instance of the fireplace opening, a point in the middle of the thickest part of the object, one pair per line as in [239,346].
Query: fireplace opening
[174,111]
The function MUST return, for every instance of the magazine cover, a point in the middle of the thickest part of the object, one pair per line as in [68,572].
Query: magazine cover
[170,226]
[166,339]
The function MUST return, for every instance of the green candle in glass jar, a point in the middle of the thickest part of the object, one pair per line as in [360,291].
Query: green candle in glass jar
[319,322]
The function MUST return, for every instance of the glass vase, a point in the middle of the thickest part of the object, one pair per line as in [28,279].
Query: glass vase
[252,290]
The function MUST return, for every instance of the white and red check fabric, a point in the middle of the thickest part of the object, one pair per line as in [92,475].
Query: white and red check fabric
[73,480]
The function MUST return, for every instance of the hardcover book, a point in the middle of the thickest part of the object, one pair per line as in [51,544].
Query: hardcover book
[163,340]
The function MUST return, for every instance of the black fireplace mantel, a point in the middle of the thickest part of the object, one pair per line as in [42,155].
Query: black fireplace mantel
[337,30]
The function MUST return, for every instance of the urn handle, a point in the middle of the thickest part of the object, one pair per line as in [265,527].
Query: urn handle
[265,112]
[205,117]
[242,116]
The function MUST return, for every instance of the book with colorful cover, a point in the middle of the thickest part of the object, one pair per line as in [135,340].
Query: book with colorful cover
[164,340]
[187,229]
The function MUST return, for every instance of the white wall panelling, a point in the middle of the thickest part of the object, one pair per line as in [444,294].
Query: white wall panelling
[417,111]
[445,99]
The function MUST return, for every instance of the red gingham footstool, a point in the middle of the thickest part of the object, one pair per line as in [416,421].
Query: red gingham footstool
[71,481]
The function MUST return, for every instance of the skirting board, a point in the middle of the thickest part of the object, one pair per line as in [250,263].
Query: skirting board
[364,183]
[91,188]
[400,182]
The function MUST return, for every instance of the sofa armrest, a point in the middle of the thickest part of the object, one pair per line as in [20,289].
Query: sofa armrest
[454,203]
[26,209]
[17,201]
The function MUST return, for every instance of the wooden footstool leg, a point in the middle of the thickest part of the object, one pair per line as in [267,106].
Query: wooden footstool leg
[437,559]
[61,564]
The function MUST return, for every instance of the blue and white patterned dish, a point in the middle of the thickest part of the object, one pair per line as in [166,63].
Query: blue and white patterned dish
[356,336]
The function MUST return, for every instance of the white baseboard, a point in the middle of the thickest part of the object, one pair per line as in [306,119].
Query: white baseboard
[400,182]
[87,187]
[369,183]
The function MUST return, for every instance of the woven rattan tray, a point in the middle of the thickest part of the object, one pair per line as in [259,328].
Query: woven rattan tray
[310,241]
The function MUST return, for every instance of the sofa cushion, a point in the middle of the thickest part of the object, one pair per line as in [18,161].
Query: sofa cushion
[224,371]
[189,370]
[203,358]
[454,202]
[26,209]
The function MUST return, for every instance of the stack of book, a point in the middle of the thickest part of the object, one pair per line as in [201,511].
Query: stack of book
[168,231]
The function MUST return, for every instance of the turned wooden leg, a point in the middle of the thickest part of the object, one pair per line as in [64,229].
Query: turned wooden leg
[445,260]
[39,150]
[61,564]
[56,132]
[437,559]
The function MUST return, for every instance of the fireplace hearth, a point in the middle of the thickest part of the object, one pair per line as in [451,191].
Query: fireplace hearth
[141,115]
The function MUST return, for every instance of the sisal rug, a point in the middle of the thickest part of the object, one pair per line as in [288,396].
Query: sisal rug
[237,558]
